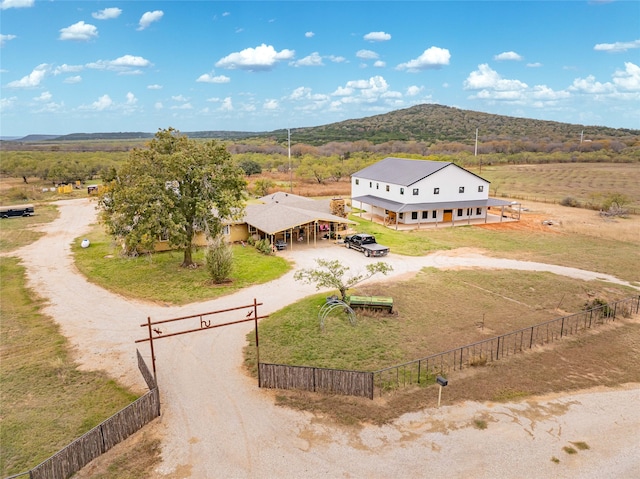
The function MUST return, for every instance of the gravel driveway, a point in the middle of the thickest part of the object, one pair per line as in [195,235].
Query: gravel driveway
[216,423]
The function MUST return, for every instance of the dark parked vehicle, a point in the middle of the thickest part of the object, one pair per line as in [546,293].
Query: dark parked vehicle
[16,210]
[365,243]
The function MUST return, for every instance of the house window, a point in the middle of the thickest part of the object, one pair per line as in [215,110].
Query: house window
[402,191]
[377,186]
[370,184]
[425,215]
[226,230]
[415,191]
[461,189]
[459,211]
[469,211]
[436,191]
[480,189]
[434,214]
[357,181]
[387,188]
[414,215]
[478,211]
[401,215]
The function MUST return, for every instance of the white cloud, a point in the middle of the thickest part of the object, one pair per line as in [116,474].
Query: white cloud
[261,58]
[7,103]
[367,55]
[122,64]
[486,78]
[206,78]
[6,38]
[107,14]
[100,104]
[227,105]
[32,79]
[184,106]
[590,85]
[154,87]
[179,98]
[271,105]
[534,65]
[617,47]
[414,90]
[336,59]
[44,96]
[309,34]
[149,17]
[16,4]
[629,79]
[377,37]
[64,68]
[313,60]
[72,80]
[131,99]
[379,64]
[79,31]
[507,56]
[431,58]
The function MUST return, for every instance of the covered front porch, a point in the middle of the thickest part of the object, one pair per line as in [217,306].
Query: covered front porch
[403,216]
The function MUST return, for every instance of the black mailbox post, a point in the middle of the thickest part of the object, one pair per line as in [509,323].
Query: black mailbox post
[441,382]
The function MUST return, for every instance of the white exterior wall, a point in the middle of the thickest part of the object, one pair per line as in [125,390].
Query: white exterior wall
[448,180]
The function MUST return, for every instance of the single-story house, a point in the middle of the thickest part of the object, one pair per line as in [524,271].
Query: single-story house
[284,218]
[295,219]
[406,192]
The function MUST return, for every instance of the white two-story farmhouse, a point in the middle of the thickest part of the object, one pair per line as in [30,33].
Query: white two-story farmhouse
[405,192]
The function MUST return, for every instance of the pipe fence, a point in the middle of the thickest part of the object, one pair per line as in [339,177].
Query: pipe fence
[425,370]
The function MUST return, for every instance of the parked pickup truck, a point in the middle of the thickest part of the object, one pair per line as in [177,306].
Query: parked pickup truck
[365,243]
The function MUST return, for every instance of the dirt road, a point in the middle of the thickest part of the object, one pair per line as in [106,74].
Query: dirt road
[217,424]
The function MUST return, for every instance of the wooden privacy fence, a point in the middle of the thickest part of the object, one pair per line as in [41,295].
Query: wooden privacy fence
[337,381]
[477,354]
[104,436]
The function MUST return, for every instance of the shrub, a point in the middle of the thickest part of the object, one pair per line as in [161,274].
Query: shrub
[219,260]
[600,304]
[569,201]
[264,246]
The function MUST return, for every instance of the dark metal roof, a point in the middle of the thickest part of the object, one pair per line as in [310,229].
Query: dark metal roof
[403,171]
[447,205]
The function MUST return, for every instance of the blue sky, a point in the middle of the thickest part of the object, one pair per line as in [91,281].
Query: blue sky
[109,66]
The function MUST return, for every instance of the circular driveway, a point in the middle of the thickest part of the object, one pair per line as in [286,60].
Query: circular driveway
[216,423]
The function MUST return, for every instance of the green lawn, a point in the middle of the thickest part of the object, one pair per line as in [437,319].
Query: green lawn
[617,258]
[159,277]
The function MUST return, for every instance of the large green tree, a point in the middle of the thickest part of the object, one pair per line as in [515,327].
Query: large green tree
[172,189]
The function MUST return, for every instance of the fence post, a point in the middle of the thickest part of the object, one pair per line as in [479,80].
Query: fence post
[419,371]
[531,340]
[498,349]
[562,327]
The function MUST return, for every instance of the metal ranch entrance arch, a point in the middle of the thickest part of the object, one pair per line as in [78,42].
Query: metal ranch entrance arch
[203,321]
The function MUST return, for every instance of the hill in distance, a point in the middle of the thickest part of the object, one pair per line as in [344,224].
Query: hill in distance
[427,123]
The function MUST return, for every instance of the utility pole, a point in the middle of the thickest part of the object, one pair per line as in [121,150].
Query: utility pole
[290,170]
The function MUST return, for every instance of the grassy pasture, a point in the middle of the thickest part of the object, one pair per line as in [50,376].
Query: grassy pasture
[585,182]
[19,231]
[45,401]
[436,311]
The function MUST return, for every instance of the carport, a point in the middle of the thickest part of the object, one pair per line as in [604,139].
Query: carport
[277,221]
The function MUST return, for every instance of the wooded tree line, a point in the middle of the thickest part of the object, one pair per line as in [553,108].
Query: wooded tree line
[326,163]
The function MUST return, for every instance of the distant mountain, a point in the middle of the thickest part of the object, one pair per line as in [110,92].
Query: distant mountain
[427,123]
[433,123]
